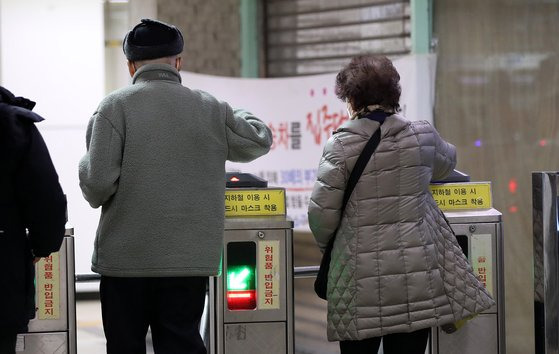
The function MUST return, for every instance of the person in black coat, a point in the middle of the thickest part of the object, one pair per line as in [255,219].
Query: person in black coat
[32,213]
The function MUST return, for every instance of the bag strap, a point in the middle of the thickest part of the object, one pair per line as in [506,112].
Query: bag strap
[362,161]
[359,167]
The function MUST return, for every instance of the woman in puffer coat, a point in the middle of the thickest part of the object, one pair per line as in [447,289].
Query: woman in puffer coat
[396,267]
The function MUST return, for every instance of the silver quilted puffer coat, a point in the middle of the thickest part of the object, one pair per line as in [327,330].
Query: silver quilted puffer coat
[396,265]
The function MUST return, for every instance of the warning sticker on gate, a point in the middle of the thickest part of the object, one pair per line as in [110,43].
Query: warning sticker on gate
[48,287]
[461,196]
[268,275]
[482,260]
[254,202]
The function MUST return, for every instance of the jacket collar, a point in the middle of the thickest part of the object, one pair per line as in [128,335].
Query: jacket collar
[391,126]
[159,72]
[8,98]
[17,107]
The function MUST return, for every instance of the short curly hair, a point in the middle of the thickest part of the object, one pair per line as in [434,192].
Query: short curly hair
[369,80]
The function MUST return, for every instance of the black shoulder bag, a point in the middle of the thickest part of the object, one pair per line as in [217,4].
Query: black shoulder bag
[321,281]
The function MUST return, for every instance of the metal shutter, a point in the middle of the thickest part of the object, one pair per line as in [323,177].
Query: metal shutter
[317,36]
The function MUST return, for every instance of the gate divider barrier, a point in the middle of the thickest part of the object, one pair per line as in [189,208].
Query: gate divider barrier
[545,221]
[53,329]
[298,272]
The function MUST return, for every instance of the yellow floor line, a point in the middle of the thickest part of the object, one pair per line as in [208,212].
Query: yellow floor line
[89,323]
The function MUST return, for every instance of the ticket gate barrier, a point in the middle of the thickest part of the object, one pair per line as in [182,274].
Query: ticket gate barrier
[53,330]
[251,303]
[479,231]
[545,217]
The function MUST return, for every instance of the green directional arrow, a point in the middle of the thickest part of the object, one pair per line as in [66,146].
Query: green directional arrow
[238,278]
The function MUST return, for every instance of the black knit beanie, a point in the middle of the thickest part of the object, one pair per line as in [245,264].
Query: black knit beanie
[152,39]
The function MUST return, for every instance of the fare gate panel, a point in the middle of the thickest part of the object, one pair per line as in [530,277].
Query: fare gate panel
[43,343]
[251,302]
[477,336]
[270,274]
[478,242]
[256,338]
[254,296]
[53,330]
[479,234]
[545,221]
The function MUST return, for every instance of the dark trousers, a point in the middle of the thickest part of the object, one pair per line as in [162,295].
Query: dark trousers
[397,343]
[8,343]
[172,307]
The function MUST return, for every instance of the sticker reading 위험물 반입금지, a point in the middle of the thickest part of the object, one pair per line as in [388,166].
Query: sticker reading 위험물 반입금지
[482,259]
[268,275]
[48,287]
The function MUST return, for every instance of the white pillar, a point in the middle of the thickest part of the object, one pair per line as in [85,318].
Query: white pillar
[138,9]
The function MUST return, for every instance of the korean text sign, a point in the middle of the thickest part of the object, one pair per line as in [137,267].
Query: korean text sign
[302,113]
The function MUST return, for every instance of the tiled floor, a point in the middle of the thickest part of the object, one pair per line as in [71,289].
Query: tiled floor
[310,314]
[91,339]
[89,327]
[310,336]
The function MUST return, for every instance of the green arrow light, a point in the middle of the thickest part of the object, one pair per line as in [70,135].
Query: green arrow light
[238,278]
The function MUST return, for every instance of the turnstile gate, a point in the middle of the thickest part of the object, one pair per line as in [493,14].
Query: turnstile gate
[254,296]
[251,303]
[53,330]
[545,214]
[480,235]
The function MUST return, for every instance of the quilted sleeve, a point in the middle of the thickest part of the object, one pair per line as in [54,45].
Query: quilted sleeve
[326,199]
[445,157]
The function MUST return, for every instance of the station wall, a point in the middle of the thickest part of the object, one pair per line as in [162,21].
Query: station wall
[211,30]
[497,100]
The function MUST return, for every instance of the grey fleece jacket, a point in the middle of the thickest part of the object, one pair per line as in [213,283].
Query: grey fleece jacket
[155,163]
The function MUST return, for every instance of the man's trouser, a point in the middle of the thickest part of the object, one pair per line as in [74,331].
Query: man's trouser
[8,343]
[172,307]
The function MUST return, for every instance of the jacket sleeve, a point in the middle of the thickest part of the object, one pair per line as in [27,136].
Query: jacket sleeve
[325,205]
[445,157]
[247,136]
[99,169]
[43,200]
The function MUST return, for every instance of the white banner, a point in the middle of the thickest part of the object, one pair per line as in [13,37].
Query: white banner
[302,113]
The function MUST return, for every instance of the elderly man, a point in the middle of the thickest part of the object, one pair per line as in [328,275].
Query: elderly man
[155,163]
[30,199]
